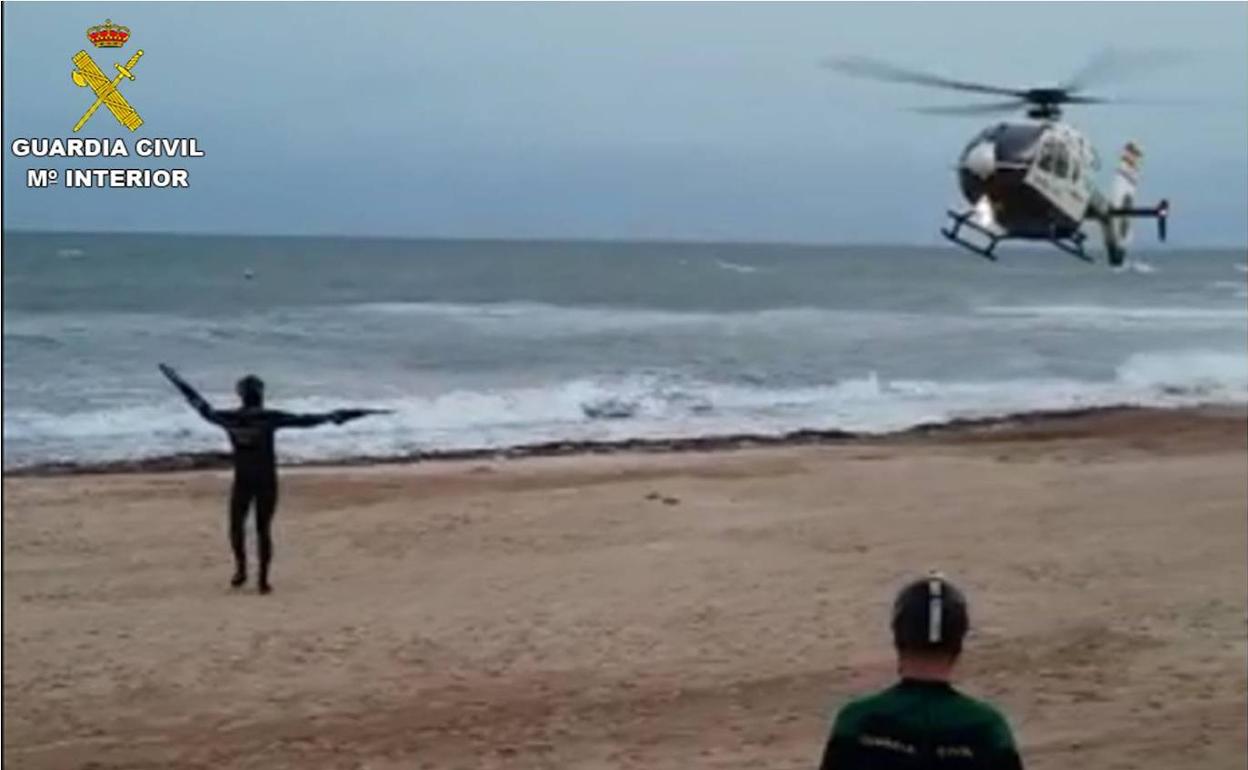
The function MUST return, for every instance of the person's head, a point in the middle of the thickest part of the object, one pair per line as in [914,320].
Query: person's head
[930,620]
[251,390]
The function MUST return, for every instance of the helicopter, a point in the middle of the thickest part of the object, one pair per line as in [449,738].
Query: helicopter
[1031,179]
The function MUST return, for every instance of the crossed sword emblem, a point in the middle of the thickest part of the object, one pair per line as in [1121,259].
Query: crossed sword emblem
[86,73]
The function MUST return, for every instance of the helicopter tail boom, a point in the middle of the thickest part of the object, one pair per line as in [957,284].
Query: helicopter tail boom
[1160,212]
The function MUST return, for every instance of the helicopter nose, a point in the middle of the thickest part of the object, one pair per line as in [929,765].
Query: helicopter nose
[981,160]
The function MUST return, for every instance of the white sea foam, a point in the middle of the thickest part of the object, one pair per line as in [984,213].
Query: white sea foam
[643,406]
[1117,316]
[544,320]
[734,267]
[1137,266]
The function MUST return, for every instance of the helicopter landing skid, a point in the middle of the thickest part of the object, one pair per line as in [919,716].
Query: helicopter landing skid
[964,220]
[1072,245]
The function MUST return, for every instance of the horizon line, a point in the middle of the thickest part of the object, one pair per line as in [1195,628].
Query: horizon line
[675,240]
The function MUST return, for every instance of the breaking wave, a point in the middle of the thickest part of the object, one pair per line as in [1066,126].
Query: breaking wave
[734,267]
[639,406]
[1137,266]
[1113,316]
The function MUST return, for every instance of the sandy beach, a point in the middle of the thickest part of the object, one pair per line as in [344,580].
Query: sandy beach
[705,609]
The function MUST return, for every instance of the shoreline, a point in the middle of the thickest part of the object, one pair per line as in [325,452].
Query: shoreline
[1028,425]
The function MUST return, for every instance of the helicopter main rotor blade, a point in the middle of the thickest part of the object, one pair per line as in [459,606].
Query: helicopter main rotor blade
[1115,65]
[1077,99]
[861,66]
[994,108]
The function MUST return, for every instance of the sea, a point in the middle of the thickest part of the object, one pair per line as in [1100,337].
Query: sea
[495,343]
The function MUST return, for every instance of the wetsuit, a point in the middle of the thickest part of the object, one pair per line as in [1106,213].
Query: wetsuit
[920,725]
[251,430]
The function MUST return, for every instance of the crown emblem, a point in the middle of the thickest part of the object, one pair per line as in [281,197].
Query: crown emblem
[108,35]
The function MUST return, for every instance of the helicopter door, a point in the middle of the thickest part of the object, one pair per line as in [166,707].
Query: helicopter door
[1056,174]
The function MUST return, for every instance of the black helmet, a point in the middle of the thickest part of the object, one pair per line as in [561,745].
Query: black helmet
[251,390]
[929,615]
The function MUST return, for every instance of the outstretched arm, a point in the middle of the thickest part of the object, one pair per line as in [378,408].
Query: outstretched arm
[337,417]
[289,420]
[192,396]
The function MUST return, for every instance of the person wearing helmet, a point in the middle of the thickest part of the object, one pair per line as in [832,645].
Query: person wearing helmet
[251,430]
[922,721]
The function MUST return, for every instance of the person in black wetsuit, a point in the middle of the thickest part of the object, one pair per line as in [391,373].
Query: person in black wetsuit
[251,430]
[922,722]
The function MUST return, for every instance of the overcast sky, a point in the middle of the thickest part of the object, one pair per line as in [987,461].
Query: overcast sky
[649,120]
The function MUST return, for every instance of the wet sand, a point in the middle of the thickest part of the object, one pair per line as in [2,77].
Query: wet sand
[653,609]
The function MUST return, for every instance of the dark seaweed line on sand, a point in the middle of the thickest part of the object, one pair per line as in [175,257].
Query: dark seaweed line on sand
[190,461]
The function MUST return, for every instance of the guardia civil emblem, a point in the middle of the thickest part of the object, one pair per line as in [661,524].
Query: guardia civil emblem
[86,74]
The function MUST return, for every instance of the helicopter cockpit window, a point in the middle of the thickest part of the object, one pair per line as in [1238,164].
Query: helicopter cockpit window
[1012,143]
[1016,143]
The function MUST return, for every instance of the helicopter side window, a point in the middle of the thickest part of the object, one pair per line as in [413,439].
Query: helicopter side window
[1061,161]
[1048,157]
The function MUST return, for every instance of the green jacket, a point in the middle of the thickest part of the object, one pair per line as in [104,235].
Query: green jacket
[918,725]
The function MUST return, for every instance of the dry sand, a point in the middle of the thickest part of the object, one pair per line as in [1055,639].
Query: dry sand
[705,610]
